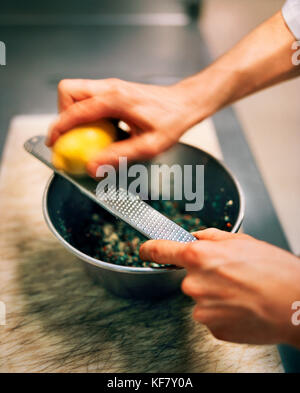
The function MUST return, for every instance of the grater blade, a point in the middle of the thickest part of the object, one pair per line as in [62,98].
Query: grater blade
[118,201]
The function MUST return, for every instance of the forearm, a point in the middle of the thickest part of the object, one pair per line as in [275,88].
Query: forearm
[263,58]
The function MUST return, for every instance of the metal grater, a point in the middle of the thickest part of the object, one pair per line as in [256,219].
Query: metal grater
[118,201]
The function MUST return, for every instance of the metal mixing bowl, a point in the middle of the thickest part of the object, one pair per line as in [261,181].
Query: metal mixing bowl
[64,206]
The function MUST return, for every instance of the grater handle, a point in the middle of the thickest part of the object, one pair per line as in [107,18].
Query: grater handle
[36,146]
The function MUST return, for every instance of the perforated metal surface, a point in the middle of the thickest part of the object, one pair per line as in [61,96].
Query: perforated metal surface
[140,215]
[126,206]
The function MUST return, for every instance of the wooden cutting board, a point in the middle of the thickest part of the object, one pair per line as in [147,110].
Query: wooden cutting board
[59,321]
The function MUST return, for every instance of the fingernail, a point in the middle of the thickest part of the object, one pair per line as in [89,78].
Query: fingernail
[142,252]
[49,136]
[91,168]
[145,250]
[48,141]
[52,133]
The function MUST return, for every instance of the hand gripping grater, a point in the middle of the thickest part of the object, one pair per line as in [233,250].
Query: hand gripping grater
[117,201]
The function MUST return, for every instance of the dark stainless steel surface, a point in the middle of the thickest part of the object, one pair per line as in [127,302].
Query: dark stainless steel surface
[38,57]
[261,219]
[67,7]
[62,200]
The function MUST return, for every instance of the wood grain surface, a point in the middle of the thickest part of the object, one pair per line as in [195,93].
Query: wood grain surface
[58,320]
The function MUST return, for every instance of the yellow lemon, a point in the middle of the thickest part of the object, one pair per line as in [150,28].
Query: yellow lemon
[73,150]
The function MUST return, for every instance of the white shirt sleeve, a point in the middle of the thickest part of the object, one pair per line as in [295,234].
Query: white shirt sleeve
[291,15]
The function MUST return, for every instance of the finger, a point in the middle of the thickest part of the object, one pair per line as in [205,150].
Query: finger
[81,112]
[213,234]
[210,315]
[163,251]
[72,90]
[136,148]
[199,287]
[229,324]
[195,256]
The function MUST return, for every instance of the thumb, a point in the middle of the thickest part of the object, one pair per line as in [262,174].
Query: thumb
[84,111]
[136,148]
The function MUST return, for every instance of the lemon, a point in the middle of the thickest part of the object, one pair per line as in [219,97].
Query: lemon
[73,150]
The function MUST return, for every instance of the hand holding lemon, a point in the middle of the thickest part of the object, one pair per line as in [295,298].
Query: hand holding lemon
[157,116]
[74,149]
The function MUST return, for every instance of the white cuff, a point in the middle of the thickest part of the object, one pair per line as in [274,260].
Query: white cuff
[291,15]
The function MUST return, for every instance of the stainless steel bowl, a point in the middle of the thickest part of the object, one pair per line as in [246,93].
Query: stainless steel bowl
[64,206]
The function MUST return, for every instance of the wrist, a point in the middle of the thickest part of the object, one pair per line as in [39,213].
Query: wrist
[207,92]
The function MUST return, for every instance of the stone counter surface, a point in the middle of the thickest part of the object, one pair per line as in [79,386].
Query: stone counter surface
[58,320]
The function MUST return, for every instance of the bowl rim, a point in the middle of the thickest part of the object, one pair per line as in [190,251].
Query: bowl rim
[130,269]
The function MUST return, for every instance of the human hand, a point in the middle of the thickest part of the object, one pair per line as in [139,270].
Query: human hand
[156,115]
[244,288]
